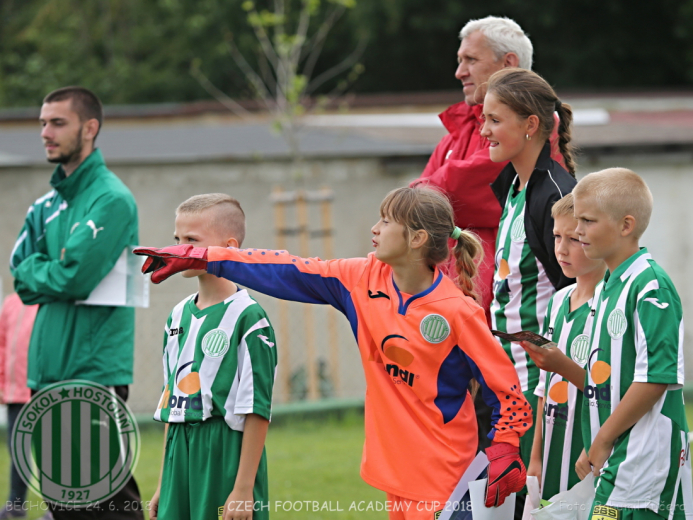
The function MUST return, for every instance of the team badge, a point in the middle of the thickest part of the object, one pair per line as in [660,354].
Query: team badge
[215,343]
[517,231]
[580,349]
[434,328]
[617,324]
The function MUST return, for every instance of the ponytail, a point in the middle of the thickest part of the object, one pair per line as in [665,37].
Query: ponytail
[468,254]
[565,119]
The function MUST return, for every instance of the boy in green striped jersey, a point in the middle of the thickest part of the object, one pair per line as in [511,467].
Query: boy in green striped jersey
[633,420]
[219,366]
[568,323]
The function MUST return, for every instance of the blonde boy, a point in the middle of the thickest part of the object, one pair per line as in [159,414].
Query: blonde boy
[219,365]
[568,323]
[634,424]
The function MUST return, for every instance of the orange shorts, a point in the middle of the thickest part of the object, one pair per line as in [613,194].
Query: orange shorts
[404,509]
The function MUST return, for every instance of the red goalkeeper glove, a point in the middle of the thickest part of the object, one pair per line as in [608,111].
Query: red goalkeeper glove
[506,473]
[170,260]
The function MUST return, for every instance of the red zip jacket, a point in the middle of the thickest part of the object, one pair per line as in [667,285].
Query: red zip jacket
[418,353]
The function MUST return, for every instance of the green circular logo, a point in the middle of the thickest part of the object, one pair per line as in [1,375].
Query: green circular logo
[517,232]
[580,349]
[215,343]
[75,443]
[617,324]
[434,328]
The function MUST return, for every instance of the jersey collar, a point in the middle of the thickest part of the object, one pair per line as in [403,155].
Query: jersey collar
[621,269]
[404,305]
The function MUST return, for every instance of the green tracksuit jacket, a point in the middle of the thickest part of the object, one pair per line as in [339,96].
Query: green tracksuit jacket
[72,237]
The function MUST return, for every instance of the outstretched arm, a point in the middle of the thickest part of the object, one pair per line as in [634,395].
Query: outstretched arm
[276,273]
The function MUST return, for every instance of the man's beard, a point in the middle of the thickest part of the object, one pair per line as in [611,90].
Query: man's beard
[72,154]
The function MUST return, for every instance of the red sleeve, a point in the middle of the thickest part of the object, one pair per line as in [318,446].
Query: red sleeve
[500,387]
[467,183]
[436,160]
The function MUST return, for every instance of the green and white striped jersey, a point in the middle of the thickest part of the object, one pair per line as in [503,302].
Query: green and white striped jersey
[220,361]
[562,432]
[638,338]
[521,288]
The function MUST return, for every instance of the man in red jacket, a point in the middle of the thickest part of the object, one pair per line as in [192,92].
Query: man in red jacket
[460,164]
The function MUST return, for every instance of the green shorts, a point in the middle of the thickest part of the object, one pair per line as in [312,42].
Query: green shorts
[200,466]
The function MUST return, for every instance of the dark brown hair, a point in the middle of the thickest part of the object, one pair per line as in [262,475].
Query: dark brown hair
[425,208]
[84,102]
[527,94]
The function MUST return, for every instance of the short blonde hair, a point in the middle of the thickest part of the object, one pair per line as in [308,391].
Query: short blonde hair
[619,192]
[228,218]
[563,207]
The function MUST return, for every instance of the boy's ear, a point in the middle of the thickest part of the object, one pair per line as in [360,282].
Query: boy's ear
[627,226]
[418,239]
[232,242]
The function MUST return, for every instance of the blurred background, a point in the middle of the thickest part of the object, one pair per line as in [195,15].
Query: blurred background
[310,112]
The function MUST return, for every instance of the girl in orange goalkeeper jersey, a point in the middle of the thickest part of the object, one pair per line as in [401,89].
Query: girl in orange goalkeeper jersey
[422,338]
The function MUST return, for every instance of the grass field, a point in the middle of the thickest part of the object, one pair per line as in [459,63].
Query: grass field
[314,461]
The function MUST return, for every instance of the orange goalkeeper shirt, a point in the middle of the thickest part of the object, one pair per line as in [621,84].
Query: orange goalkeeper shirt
[419,355]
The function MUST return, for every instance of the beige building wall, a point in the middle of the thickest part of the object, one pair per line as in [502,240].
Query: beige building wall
[359,185]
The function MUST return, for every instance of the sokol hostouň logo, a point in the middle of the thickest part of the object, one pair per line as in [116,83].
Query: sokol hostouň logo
[75,443]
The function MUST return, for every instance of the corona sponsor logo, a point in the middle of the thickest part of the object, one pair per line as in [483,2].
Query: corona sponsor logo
[600,372]
[401,357]
[188,382]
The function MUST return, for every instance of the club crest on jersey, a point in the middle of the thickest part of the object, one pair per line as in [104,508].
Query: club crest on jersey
[617,324]
[434,328]
[215,343]
[517,231]
[580,349]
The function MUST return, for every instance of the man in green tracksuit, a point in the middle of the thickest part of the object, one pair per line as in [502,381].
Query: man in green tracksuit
[71,239]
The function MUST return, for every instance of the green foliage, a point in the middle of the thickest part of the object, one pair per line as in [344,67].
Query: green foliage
[141,51]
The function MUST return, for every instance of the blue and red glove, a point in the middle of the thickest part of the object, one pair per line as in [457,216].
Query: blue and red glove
[170,260]
[506,473]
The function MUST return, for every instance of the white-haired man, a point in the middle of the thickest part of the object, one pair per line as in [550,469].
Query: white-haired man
[460,164]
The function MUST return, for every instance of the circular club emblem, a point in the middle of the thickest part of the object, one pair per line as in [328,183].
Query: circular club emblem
[215,343]
[617,324]
[517,231]
[75,443]
[435,328]
[580,349]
